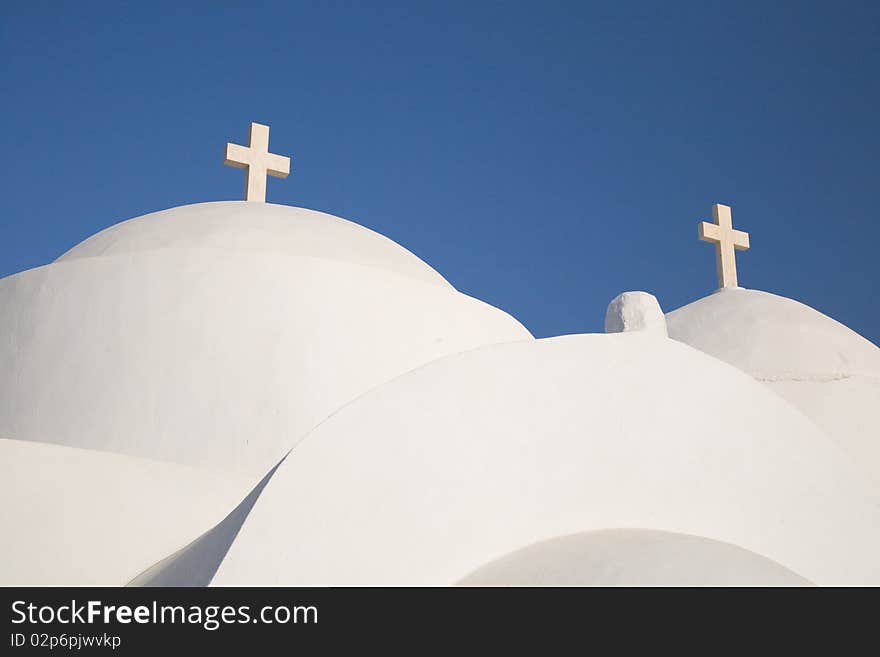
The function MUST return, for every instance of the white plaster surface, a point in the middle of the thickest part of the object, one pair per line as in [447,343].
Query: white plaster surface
[632,557]
[215,358]
[825,369]
[433,439]
[257,227]
[446,468]
[635,311]
[197,563]
[79,517]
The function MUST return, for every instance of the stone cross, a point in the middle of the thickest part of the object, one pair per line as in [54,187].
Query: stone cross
[258,161]
[726,240]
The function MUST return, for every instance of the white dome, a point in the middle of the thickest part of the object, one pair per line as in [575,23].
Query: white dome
[353,419]
[632,557]
[260,227]
[828,371]
[220,357]
[772,337]
[438,472]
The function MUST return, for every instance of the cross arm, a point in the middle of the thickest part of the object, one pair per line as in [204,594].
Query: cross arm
[277,165]
[709,232]
[237,156]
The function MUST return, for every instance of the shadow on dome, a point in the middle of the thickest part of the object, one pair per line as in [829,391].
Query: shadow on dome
[196,564]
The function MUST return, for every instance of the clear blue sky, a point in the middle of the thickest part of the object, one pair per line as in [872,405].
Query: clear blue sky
[543,156]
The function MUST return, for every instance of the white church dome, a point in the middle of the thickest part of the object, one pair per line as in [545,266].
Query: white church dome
[448,468]
[255,227]
[828,371]
[254,394]
[772,337]
[219,334]
[632,557]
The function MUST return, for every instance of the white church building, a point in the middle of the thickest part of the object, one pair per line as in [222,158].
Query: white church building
[243,393]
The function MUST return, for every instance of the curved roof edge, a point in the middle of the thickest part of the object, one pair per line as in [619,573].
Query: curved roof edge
[773,337]
[247,226]
[633,557]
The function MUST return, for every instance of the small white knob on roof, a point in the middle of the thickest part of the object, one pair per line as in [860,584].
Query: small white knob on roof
[635,311]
